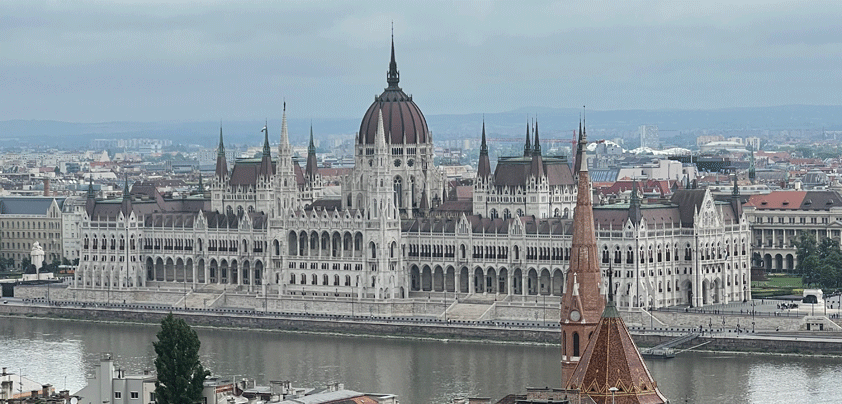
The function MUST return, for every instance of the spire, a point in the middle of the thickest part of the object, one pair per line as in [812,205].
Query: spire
[752,173]
[527,148]
[634,205]
[537,168]
[736,190]
[611,363]
[284,132]
[221,161]
[312,166]
[126,204]
[736,201]
[536,148]
[393,77]
[484,165]
[266,149]
[580,148]
[579,315]
[201,185]
[380,135]
[266,160]
[91,193]
[126,187]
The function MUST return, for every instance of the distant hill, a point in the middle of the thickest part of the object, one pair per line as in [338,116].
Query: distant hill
[553,122]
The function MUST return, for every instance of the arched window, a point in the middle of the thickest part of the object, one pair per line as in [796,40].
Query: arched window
[575,344]
[398,189]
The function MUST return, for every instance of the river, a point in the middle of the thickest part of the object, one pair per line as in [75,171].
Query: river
[62,353]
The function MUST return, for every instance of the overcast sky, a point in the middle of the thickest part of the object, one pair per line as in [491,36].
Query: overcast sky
[203,60]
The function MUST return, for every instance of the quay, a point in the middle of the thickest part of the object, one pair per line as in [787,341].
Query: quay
[717,330]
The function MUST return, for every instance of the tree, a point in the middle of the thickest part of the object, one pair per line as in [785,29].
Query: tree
[805,246]
[180,374]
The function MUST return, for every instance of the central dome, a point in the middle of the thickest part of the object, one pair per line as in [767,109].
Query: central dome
[402,119]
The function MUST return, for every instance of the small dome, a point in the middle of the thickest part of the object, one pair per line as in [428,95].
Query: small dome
[401,117]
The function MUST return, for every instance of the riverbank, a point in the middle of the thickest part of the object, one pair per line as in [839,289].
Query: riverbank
[797,343]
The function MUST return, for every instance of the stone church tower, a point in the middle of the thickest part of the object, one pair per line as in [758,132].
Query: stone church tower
[582,303]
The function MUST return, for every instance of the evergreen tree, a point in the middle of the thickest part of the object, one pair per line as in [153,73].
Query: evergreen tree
[805,246]
[180,374]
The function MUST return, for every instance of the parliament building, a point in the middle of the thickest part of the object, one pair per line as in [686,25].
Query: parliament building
[266,228]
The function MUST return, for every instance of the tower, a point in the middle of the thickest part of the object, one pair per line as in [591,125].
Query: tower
[611,369]
[582,303]
[286,183]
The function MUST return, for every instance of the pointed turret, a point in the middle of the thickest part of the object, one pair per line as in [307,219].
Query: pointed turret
[312,167]
[266,158]
[581,310]
[537,159]
[736,200]
[201,190]
[611,368]
[752,173]
[221,162]
[380,135]
[580,147]
[284,132]
[536,147]
[484,165]
[634,205]
[126,204]
[90,201]
[126,187]
[91,193]
[393,77]
[527,147]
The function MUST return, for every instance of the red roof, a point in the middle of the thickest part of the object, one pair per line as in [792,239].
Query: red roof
[777,200]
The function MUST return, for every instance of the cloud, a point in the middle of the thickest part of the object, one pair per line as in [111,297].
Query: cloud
[141,60]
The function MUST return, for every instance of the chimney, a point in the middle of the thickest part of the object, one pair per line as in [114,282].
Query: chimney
[46,187]
[45,390]
[4,372]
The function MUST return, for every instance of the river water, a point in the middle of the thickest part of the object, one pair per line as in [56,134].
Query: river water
[62,353]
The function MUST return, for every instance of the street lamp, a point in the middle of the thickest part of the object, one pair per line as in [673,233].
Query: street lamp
[613,390]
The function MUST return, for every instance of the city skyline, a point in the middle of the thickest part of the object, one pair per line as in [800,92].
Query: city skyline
[142,61]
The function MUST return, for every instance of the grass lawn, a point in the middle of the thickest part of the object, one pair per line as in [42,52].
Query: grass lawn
[777,285]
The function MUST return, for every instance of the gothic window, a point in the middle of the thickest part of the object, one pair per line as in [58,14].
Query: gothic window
[494,214]
[398,188]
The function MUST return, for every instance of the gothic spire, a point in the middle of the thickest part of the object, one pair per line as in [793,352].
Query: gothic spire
[201,185]
[484,165]
[221,161]
[284,131]
[536,147]
[634,205]
[312,167]
[752,173]
[527,147]
[126,187]
[393,77]
[266,149]
[266,160]
[91,193]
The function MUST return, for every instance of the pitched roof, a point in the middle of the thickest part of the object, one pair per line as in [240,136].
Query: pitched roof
[516,171]
[27,205]
[782,200]
[611,359]
[688,201]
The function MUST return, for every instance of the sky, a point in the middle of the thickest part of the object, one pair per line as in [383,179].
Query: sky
[175,60]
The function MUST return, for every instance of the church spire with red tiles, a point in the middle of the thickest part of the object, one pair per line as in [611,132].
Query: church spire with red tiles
[611,369]
[582,303]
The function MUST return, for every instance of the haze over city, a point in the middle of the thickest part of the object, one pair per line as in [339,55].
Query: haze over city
[182,60]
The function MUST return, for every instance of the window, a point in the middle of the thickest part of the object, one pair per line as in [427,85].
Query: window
[134,395]
[118,395]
